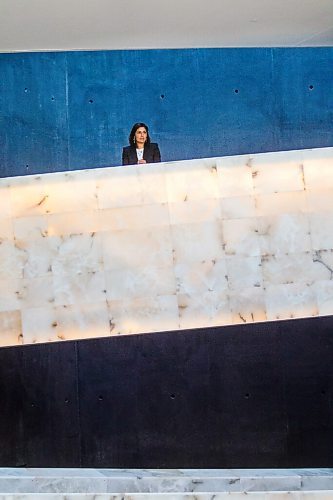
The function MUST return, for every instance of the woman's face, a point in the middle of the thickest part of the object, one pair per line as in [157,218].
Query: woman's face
[141,135]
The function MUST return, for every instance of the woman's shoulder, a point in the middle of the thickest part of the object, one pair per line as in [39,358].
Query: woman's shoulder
[154,145]
[127,148]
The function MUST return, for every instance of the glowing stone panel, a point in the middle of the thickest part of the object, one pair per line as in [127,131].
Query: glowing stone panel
[140,249]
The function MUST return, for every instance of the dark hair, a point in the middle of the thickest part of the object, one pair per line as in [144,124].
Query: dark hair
[135,127]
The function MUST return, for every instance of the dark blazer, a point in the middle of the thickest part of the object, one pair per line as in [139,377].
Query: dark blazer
[151,154]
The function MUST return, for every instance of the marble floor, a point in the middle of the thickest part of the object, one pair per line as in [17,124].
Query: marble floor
[170,484]
[302,495]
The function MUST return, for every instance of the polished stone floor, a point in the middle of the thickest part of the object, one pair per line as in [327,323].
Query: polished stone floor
[170,484]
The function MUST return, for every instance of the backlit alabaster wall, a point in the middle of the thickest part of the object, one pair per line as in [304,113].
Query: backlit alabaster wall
[161,247]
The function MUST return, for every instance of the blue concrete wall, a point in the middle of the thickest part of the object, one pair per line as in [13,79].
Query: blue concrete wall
[71,110]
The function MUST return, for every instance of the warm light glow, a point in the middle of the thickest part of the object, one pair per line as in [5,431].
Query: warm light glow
[161,247]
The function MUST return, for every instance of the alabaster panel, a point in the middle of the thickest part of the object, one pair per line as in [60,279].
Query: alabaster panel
[136,217]
[119,187]
[319,200]
[317,166]
[37,292]
[187,212]
[5,205]
[277,172]
[324,294]
[244,272]
[39,324]
[83,288]
[38,255]
[70,191]
[30,228]
[10,293]
[241,237]
[83,320]
[204,309]
[6,229]
[47,324]
[152,184]
[76,253]
[140,248]
[321,225]
[143,315]
[247,305]
[238,207]
[197,242]
[294,300]
[52,193]
[28,196]
[293,202]
[136,282]
[158,247]
[191,180]
[284,234]
[234,176]
[10,328]
[12,260]
[303,268]
[324,260]
[201,277]
[67,223]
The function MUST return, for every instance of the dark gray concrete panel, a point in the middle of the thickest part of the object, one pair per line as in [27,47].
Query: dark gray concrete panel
[244,396]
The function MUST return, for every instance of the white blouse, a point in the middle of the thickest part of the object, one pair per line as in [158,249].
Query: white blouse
[139,153]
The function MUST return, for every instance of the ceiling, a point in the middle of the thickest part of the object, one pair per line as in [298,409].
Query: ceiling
[33,25]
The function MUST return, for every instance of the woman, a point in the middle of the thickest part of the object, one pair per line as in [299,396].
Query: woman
[140,150]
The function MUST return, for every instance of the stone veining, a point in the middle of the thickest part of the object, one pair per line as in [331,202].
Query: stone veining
[164,247]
